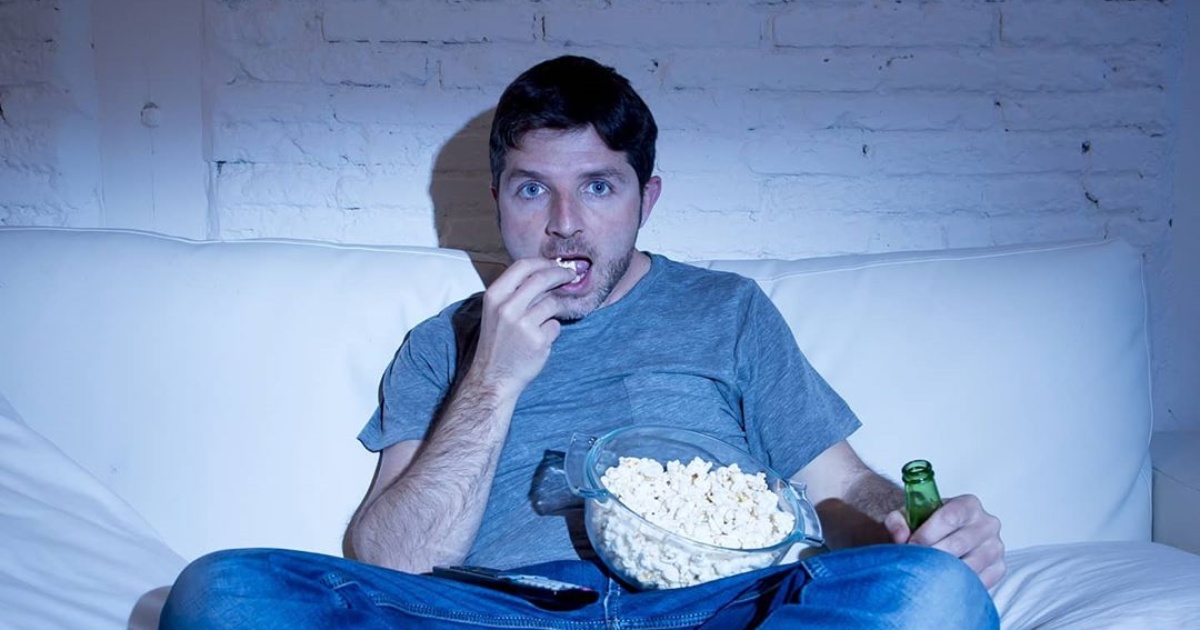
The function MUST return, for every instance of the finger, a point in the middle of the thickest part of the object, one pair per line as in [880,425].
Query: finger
[515,275]
[538,284]
[529,322]
[551,328]
[992,575]
[529,274]
[962,540]
[955,514]
[515,306]
[987,564]
[978,555]
[976,546]
[897,526]
[544,309]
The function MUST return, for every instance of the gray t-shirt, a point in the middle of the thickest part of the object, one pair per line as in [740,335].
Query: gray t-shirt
[686,347]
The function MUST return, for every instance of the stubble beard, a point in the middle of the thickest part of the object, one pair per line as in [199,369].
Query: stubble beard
[575,309]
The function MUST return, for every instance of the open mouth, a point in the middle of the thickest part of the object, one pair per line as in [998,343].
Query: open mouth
[580,265]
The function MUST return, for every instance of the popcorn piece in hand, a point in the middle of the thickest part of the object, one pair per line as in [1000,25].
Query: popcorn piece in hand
[573,266]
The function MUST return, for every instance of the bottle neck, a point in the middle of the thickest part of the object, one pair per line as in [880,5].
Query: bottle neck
[917,471]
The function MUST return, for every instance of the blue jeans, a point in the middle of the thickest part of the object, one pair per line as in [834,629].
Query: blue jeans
[884,586]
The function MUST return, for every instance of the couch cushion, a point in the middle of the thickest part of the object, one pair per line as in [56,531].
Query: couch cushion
[1021,373]
[216,387]
[1093,586]
[72,554]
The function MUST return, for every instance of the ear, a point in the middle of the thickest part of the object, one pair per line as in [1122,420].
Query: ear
[649,197]
[495,193]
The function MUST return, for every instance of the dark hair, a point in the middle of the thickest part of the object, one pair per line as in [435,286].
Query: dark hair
[572,92]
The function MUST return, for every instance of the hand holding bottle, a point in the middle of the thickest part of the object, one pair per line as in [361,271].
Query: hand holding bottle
[959,525]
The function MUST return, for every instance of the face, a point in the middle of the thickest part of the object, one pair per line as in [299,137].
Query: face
[565,194]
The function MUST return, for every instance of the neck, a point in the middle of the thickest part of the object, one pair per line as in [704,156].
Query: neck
[639,265]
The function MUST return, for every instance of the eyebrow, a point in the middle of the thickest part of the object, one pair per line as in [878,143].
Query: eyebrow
[609,173]
[520,172]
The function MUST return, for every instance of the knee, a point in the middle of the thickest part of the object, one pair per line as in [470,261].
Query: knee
[930,579]
[229,570]
[931,568]
[213,581]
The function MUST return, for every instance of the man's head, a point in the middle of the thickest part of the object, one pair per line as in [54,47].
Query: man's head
[569,93]
[572,150]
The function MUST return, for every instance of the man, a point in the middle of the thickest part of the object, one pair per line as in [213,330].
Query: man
[478,395]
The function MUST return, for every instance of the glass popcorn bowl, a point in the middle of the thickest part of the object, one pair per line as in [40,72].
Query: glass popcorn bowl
[649,556]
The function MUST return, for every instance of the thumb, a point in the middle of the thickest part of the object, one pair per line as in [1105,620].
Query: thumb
[897,526]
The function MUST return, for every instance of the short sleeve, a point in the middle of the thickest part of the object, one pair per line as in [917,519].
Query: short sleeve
[414,385]
[791,413]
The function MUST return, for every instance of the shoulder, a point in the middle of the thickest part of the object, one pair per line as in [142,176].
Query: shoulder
[457,320]
[695,277]
[728,292]
[706,297]
[440,344]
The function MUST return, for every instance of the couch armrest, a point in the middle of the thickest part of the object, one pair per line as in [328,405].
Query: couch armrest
[1177,488]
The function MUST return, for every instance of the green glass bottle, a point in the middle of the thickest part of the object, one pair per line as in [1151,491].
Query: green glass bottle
[921,496]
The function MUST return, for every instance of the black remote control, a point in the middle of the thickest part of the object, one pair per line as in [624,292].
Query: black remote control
[542,591]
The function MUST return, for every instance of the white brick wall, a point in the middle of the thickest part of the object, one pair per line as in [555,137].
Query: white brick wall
[1177,357]
[427,22]
[788,128]
[49,162]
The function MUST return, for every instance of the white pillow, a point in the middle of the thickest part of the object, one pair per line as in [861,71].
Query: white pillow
[72,554]
[1022,373]
[1096,586]
[235,374]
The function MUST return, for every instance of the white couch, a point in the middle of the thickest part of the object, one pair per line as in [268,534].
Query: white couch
[181,397]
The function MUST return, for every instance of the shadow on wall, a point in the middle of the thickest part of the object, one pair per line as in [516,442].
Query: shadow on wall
[463,209]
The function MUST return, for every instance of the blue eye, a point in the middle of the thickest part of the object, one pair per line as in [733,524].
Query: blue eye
[599,188]
[530,190]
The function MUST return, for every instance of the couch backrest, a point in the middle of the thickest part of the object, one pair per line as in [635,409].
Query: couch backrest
[1021,373]
[217,387]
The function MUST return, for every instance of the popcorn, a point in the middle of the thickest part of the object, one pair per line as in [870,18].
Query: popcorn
[573,265]
[723,507]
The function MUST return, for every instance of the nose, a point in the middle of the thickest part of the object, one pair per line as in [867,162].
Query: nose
[563,221]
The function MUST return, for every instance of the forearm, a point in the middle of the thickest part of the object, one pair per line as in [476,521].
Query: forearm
[856,518]
[432,512]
